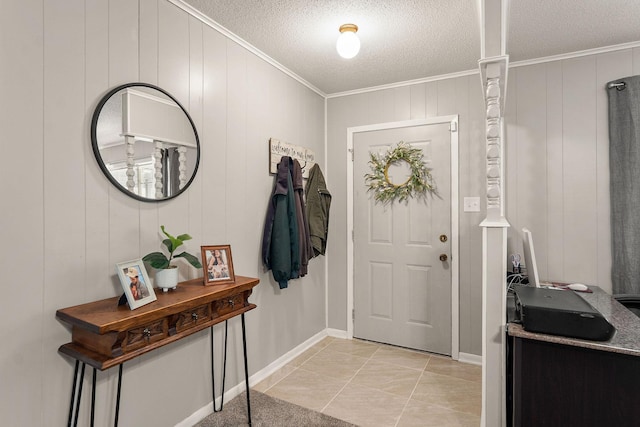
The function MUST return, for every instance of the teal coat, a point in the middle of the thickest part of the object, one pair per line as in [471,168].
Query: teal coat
[280,240]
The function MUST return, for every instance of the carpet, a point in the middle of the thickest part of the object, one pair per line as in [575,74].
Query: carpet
[268,411]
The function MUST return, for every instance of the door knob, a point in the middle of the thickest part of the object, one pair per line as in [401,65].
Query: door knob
[443,238]
[443,257]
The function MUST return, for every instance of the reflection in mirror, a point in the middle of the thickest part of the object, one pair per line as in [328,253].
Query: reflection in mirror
[145,142]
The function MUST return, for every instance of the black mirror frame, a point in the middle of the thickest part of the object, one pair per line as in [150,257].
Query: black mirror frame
[96,150]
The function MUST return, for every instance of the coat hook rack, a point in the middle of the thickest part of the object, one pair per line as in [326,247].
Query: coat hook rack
[277,149]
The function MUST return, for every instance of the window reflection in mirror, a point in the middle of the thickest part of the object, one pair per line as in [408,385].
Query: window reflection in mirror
[145,142]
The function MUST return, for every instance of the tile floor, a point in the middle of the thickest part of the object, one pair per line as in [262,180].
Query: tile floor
[376,385]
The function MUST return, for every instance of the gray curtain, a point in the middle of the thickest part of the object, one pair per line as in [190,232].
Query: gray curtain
[624,167]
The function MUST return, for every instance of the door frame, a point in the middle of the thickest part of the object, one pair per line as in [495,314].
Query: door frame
[455,270]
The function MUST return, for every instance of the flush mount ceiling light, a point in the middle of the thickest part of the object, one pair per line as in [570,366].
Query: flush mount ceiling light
[348,44]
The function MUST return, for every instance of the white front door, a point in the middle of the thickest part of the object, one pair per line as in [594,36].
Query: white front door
[402,288]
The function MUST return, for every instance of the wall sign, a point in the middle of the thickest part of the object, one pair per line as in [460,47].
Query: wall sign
[277,149]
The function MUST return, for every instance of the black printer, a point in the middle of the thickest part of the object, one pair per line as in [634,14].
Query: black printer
[559,312]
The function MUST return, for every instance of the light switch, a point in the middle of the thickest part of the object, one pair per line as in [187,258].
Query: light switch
[472,204]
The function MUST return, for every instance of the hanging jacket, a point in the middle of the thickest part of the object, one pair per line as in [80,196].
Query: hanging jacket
[280,240]
[318,204]
[306,250]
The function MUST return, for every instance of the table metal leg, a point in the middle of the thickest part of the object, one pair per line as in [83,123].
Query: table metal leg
[73,393]
[246,367]
[78,385]
[224,369]
[93,397]
[115,422]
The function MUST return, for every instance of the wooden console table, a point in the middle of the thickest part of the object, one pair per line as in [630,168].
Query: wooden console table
[105,335]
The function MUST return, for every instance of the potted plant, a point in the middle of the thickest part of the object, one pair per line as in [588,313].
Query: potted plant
[167,274]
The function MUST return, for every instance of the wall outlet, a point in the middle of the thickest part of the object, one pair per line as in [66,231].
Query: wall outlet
[472,204]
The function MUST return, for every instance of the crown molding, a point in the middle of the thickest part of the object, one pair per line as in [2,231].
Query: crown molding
[233,37]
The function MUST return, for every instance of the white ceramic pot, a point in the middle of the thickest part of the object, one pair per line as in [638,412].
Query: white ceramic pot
[167,278]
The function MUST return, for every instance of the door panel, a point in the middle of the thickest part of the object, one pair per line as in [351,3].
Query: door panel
[402,291]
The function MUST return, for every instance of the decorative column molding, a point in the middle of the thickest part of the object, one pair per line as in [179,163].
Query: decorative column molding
[493,72]
[130,151]
[182,166]
[158,170]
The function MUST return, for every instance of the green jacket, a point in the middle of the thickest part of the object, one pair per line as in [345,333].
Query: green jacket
[318,204]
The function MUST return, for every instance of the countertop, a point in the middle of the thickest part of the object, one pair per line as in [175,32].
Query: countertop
[625,340]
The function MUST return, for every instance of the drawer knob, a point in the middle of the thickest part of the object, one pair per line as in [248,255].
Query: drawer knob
[231,302]
[194,316]
[147,333]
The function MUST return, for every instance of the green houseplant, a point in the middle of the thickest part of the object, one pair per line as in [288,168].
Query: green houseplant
[167,274]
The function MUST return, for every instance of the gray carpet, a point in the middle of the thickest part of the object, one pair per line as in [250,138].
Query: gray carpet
[268,411]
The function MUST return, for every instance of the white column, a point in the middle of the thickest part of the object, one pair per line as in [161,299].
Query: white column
[130,151]
[158,170]
[182,158]
[493,72]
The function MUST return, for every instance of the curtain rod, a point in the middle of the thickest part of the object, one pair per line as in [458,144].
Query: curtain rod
[618,86]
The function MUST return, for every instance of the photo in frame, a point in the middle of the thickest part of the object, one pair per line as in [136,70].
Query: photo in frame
[135,283]
[217,265]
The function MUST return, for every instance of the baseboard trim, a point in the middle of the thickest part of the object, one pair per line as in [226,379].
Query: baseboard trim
[254,379]
[337,333]
[473,359]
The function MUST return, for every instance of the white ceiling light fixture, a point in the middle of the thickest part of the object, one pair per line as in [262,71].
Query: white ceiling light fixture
[348,44]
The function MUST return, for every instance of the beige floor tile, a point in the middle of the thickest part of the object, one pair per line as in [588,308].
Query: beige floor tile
[307,389]
[334,364]
[308,353]
[449,392]
[366,407]
[393,379]
[445,366]
[369,384]
[274,378]
[422,414]
[401,357]
[354,347]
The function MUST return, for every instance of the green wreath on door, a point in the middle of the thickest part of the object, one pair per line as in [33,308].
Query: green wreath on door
[419,184]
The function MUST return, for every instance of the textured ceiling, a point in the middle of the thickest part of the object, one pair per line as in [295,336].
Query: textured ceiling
[413,39]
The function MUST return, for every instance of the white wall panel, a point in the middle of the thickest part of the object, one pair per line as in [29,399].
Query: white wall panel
[99,278]
[73,225]
[571,214]
[21,87]
[454,96]
[579,153]
[64,191]
[123,42]
[148,41]
[195,108]
[554,169]
[431,98]
[417,105]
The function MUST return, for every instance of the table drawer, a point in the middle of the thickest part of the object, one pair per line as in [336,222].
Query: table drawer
[194,317]
[144,335]
[228,305]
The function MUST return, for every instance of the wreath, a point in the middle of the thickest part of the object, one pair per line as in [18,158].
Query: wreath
[420,181]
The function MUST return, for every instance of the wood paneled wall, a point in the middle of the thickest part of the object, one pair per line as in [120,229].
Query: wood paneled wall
[65,226]
[558,163]
[462,96]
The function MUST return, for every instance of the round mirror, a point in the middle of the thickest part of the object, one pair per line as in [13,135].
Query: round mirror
[145,142]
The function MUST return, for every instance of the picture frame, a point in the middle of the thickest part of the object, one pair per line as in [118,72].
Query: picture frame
[217,265]
[135,283]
